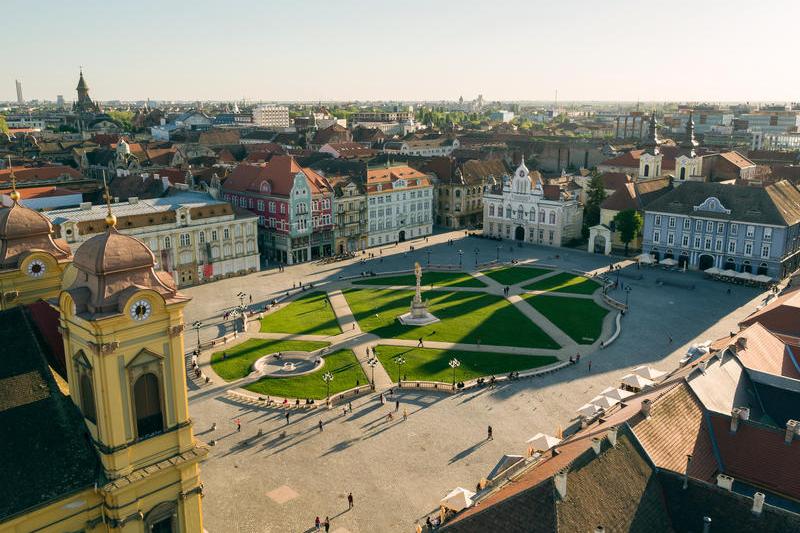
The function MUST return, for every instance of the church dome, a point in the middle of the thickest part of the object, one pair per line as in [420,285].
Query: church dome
[112,252]
[19,222]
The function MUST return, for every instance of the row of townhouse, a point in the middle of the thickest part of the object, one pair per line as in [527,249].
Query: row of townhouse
[304,216]
[729,227]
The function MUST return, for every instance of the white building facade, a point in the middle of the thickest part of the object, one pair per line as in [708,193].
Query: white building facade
[400,205]
[271,116]
[194,237]
[522,208]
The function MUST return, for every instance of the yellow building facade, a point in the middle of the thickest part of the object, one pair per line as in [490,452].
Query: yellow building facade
[122,328]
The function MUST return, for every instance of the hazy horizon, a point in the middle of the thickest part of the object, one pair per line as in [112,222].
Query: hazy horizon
[613,52]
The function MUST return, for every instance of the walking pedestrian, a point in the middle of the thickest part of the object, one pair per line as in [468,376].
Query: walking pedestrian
[238,425]
[489,433]
[320,425]
[354,326]
[590,365]
[251,298]
[350,406]
[405,414]
[287,418]
[670,339]
[419,344]
[383,401]
[350,501]
[397,405]
[317,523]
[327,524]
[344,411]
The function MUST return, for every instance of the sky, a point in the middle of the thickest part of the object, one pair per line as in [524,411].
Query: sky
[309,50]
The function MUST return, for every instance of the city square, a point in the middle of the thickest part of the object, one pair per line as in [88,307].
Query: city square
[442,444]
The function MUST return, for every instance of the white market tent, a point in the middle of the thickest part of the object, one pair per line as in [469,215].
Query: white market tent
[712,271]
[668,262]
[729,273]
[588,410]
[542,442]
[648,372]
[645,258]
[458,499]
[636,381]
[617,394]
[603,401]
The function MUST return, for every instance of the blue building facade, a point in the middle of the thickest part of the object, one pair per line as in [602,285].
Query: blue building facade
[746,229]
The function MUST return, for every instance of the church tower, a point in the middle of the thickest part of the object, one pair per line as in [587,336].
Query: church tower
[84,103]
[650,159]
[32,262]
[122,326]
[687,163]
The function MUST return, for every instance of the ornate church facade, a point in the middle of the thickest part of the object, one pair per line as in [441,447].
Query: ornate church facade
[525,209]
[107,444]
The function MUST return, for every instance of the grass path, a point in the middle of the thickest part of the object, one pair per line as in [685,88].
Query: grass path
[515,274]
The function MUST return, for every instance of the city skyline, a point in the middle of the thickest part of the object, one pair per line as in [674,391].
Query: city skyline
[354,51]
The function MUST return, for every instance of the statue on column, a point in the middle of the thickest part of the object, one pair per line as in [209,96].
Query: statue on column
[418,315]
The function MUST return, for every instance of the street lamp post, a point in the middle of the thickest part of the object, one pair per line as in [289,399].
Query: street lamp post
[399,361]
[373,363]
[454,363]
[476,258]
[241,296]
[197,325]
[429,257]
[327,377]
[627,293]
[460,255]
[498,253]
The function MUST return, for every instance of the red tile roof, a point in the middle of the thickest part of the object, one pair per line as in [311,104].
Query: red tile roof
[781,316]
[758,454]
[615,180]
[389,174]
[737,159]
[765,352]
[24,174]
[278,174]
[27,193]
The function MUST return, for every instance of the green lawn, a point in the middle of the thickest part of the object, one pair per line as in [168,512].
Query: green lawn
[464,317]
[515,274]
[342,364]
[439,279]
[581,319]
[564,282]
[239,359]
[426,364]
[310,314]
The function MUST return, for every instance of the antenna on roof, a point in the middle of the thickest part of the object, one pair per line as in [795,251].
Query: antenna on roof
[111,220]
[14,193]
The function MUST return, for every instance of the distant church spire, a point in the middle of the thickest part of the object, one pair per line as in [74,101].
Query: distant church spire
[689,142]
[652,141]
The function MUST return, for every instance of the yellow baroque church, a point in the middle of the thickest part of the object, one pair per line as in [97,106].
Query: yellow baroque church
[109,448]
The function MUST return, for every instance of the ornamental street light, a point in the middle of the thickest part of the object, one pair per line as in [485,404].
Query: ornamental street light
[399,361]
[327,377]
[460,255]
[373,363]
[498,253]
[476,258]
[429,257]
[454,363]
[627,293]
[241,296]
[197,325]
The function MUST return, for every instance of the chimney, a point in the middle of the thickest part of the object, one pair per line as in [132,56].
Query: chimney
[742,343]
[792,427]
[735,414]
[686,473]
[725,482]
[706,524]
[744,413]
[758,503]
[646,405]
[155,176]
[596,445]
[612,436]
[560,480]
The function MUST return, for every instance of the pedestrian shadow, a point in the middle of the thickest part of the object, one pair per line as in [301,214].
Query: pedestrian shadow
[467,452]
[341,446]
[363,411]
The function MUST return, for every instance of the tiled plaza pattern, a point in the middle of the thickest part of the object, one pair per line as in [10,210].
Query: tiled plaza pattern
[398,470]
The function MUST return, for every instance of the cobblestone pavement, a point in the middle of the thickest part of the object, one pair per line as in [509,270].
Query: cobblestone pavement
[398,470]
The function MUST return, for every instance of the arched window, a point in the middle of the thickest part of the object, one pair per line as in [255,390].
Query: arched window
[683,173]
[147,406]
[647,170]
[533,214]
[552,217]
[87,399]
[491,210]
[508,212]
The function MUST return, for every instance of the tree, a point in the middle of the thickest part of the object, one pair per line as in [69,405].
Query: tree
[3,124]
[628,223]
[123,118]
[595,194]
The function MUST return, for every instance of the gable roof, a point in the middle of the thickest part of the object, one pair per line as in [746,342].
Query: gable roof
[279,173]
[44,454]
[777,204]
[779,316]
[765,352]
[737,159]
